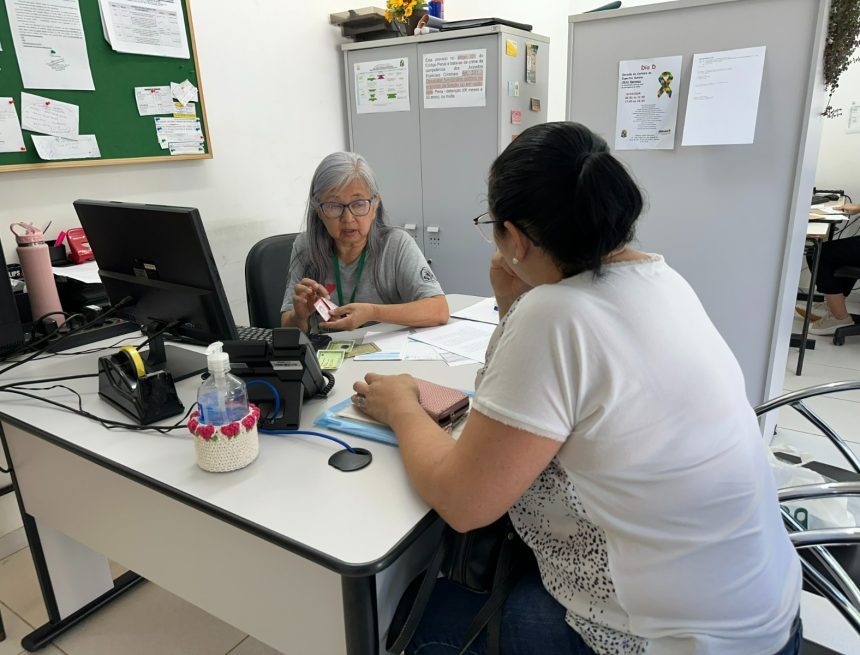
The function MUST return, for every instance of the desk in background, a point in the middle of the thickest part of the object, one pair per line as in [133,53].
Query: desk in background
[301,556]
[818,230]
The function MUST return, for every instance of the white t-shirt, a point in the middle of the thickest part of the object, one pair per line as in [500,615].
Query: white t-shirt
[657,523]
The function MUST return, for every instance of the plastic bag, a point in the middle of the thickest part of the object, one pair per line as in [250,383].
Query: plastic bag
[815,513]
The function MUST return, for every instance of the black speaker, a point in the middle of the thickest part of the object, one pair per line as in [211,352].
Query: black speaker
[11,332]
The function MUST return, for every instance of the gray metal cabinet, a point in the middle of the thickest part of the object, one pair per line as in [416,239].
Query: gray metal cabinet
[432,163]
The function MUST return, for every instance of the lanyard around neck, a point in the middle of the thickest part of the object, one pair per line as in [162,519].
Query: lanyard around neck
[359,269]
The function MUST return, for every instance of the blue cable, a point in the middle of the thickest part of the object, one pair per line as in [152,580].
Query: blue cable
[274,393]
[311,434]
[277,409]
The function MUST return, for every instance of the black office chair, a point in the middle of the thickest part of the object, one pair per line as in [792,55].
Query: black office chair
[851,272]
[266,268]
[831,574]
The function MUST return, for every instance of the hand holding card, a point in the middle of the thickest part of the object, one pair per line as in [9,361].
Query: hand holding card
[350,317]
[324,306]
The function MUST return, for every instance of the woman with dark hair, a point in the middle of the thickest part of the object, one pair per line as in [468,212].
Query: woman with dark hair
[373,271]
[624,450]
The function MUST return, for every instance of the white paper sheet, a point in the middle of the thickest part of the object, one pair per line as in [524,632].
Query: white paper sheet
[176,130]
[87,272]
[722,107]
[455,79]
[83,146]
[48,116]
[153,100]
[647,108]
[853,118]
[145,27]
[185,111]
[186,148]
[465,338]
[184,92]
[417,351]
[11,139]
[50,44]
[485,311]
[381,86]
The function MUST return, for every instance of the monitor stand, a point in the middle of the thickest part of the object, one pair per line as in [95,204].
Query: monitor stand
[181,362]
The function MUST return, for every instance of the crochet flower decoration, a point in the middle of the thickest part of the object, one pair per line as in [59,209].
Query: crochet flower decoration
[229,431]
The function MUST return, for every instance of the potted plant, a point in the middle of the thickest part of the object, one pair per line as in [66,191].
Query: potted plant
[842,41]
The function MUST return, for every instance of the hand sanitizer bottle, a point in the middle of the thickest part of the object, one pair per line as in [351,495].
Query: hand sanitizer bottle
[222,398]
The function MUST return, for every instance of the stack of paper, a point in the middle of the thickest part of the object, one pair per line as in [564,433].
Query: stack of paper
[458,343]
[180,135]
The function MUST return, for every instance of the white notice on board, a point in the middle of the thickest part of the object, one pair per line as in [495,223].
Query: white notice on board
[153,100]
[455,79]
[48,116]
[145,27]
[647,111]
[11,139]
[83,146]
[724,92]
[50,44]
[381,86]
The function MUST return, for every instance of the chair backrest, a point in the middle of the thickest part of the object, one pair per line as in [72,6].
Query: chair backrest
[266,269]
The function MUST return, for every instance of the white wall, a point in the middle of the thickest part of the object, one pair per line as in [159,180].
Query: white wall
[839,159]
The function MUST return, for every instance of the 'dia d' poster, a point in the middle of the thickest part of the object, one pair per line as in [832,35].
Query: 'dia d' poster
[648,91]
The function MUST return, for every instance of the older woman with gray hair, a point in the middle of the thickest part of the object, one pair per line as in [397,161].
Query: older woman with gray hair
[374,272]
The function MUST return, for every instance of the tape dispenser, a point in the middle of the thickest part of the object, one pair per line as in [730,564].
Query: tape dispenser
[126,382]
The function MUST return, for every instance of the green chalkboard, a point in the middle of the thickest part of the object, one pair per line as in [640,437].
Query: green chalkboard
[110,112]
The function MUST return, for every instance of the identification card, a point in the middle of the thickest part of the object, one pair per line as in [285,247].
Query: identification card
[363,349]
[345,346]
[330,360]
[324,307]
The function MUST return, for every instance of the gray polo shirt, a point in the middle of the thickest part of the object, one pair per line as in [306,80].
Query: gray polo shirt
[404,275]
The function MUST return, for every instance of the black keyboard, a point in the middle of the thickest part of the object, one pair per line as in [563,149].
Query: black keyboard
[248,333]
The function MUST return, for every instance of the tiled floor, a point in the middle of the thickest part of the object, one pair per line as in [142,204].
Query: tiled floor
[148,620]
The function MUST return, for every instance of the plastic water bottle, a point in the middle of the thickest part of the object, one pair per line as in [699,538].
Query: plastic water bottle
[38,274]
[222,398]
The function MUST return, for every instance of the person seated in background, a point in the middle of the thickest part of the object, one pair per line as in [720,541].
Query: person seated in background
[375,272]
[835,254]
[625,452]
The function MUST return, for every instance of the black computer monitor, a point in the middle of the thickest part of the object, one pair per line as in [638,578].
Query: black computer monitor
[160,257]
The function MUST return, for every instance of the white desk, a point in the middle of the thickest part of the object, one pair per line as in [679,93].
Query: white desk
[303,557]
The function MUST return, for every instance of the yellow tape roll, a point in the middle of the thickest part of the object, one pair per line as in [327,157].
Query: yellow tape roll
[136,359]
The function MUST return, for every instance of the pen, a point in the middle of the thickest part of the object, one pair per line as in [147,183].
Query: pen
[60,237]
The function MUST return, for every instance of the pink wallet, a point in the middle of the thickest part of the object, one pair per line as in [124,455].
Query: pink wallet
[444,405]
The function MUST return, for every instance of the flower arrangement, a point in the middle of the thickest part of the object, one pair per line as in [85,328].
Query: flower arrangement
[401,10]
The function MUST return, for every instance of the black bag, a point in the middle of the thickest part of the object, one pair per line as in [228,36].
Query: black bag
[488,560]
